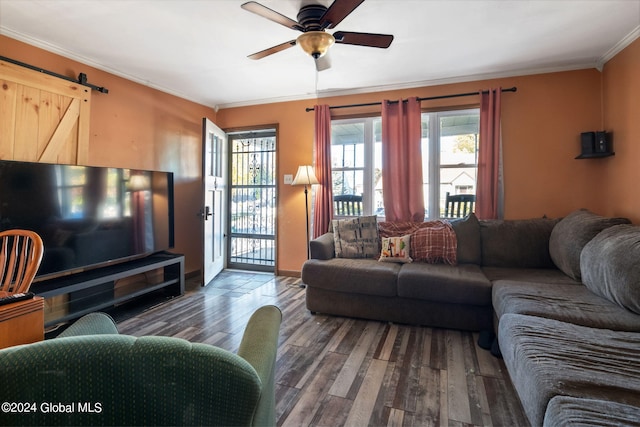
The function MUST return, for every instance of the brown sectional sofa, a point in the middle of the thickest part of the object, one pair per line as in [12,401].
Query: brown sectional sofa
[571,348]
[441,295]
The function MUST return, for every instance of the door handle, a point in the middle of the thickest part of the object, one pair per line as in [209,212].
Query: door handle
[207,213]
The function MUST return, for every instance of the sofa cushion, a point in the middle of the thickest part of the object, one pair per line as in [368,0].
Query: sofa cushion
[529,275]
[610,265]
[520,243]
[434,242]
[547,358]
[468,236]
[571,234]
[572,303]
[360,276]
[356,237]
[461,284]
[575,411]
[396,249]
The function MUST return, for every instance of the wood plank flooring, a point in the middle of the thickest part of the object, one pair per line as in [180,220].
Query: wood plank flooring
[335,371]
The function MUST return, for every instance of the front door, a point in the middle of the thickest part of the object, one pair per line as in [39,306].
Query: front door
[252,202]
[214,175]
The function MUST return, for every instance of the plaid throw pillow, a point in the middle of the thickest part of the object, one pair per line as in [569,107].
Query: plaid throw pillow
[434,242]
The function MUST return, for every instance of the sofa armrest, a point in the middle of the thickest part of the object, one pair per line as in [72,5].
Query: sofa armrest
[322,247]
[91,324]
[259,347]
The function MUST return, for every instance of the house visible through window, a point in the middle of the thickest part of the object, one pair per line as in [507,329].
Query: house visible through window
[449,153]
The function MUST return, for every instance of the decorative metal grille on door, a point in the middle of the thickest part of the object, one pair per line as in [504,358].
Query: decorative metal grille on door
[252,204]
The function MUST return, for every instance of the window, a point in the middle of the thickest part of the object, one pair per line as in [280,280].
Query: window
[356,163]
[449,153]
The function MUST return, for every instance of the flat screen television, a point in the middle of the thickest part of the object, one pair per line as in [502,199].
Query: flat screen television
[87,216]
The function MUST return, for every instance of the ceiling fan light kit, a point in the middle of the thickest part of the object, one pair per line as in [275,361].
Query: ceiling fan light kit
[315,43]
[313,21]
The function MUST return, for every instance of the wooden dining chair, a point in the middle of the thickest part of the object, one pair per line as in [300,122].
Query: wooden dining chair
[20,256]
[347,205]
[459,205]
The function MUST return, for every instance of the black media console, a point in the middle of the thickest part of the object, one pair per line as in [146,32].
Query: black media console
[71,296]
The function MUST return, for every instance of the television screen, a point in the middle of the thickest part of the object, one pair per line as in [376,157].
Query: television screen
[87,216]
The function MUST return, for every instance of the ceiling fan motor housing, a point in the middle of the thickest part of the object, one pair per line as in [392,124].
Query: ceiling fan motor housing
[309,17]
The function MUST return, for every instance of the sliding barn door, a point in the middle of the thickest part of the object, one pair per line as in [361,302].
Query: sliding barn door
[42,118]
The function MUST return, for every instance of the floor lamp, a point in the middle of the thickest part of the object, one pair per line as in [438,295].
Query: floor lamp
[306,177]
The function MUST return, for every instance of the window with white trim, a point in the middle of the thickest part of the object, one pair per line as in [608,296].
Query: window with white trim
[449,152]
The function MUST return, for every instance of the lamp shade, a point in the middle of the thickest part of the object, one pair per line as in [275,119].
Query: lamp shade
[305,176]
[315,43]
[139,183]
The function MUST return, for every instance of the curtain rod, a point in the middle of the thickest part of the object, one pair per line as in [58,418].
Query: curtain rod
[82,78]
[430,98]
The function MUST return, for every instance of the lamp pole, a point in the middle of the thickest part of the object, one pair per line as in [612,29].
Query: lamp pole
[306,211]
[306,177]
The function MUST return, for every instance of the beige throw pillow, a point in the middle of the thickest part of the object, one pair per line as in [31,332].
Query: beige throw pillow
[356,237]
[396,249]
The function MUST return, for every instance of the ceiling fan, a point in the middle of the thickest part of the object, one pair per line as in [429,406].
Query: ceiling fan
[313,21]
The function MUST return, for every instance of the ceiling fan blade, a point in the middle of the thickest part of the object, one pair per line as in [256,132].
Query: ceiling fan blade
[338,10]
[271,15]
[272,50]
[363,39]
[324,62]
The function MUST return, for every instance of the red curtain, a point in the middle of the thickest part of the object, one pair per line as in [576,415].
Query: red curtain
[323,201]
[489,186]
[402,160]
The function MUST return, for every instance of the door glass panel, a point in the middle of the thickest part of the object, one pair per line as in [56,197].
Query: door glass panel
[217,156]
[252,201]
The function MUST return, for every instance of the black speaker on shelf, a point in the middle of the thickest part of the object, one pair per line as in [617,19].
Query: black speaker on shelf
[588,142]
[602,142]
[595,145]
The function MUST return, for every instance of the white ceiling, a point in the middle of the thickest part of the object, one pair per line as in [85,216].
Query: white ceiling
[197,49]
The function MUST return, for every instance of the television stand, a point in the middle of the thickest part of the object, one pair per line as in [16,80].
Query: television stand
[72,296]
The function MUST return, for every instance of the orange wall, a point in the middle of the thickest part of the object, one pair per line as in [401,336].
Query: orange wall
[621,106]
[542,122]
[139,127]
[294,148]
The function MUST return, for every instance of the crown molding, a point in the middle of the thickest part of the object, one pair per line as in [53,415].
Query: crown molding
[618,47]
[91,63]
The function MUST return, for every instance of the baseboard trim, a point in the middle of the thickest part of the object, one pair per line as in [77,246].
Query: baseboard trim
[192,274]
[289,273]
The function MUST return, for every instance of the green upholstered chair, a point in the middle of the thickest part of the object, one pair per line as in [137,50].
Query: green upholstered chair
[90,375]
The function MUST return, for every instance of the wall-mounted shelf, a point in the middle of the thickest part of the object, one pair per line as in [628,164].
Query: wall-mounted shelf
[595,155]
[596,145]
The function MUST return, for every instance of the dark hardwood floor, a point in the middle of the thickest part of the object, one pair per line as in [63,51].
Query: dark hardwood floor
[334,371]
